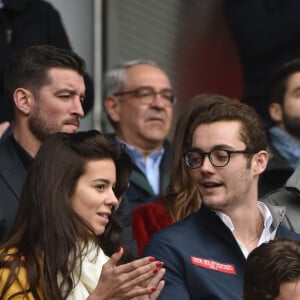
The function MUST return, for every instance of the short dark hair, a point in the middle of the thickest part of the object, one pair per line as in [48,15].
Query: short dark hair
[278,84]
[30,69]
[268,266]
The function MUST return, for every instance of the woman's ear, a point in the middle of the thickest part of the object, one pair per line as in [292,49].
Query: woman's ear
[23,100]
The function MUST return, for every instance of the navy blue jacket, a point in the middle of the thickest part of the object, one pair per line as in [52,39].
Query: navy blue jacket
[202,258]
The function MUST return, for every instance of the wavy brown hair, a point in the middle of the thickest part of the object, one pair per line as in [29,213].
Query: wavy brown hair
[184,197]
[45,237]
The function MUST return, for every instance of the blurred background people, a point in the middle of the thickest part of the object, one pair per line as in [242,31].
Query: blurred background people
[284,132]
[273,271]
[139,102]
[266,36]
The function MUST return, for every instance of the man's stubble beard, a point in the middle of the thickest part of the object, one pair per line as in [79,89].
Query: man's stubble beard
[292,125]
[40,126]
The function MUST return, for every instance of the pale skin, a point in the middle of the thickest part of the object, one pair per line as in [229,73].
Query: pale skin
[93,200]
[143,126]
[57,109]
[289,291]
[136,280]
[231,189]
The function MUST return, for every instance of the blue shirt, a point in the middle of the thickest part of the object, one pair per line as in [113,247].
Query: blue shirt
[150,166]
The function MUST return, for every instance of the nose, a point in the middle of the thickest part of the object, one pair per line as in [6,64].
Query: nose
[206,164]
[158,101]
[112,199]
[77,107]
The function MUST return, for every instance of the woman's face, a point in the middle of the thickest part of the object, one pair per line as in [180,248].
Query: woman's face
[94,197]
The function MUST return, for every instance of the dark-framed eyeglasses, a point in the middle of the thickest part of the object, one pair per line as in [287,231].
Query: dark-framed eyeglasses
[218,157]
[147,94]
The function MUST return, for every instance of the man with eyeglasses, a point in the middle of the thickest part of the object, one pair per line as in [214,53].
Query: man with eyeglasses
[139,102]
[222,155]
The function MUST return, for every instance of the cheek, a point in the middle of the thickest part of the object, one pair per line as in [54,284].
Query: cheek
[194,174]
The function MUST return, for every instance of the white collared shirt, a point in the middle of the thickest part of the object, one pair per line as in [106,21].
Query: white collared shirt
[267,234]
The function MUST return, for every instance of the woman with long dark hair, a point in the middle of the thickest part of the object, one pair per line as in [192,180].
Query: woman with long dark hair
[65,230]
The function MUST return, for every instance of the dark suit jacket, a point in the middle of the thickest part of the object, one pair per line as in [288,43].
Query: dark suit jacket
[12,175]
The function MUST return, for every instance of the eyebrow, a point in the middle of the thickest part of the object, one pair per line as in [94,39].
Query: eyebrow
[103,180]
[216,147]
[70,91]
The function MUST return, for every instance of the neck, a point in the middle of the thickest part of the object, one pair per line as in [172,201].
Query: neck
[27,140]
[144,147]
[249,229]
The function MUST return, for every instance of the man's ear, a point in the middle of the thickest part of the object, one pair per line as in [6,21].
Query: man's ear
[112,107]
[260,161]
[23,100]
[275,112]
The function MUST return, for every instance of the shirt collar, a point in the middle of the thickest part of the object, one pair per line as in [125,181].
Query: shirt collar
[135,154]
[264,210]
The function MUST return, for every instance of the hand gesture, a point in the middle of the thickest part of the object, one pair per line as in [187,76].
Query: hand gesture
[139,279]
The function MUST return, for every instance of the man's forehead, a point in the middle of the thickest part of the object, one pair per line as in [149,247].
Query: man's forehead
[219,132]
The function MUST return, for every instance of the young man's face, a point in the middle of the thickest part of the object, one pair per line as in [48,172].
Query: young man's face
[59,104]
[228,187]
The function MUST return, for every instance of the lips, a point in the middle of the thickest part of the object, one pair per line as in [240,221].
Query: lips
[210,186]
[105,215]
[74,122]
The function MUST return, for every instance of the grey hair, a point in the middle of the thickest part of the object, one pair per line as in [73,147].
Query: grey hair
[115,79]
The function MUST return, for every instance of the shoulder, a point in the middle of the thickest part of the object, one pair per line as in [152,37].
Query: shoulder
[280,196]
[19,284]
[284,232]
[176,233]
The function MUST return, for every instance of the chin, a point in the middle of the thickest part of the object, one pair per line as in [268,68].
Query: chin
[99,231]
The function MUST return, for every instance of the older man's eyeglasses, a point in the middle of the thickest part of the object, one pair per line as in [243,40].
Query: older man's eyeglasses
[218,157]
[147,95]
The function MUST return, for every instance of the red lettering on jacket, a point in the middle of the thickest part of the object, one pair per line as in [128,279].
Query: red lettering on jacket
[213,265]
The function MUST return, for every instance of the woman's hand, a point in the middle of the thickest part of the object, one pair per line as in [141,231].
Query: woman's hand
[139,279]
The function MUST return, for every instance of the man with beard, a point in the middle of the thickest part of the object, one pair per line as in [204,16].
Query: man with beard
[284,132]
[47,89]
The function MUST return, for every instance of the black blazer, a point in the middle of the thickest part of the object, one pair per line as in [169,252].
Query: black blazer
[12,176]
